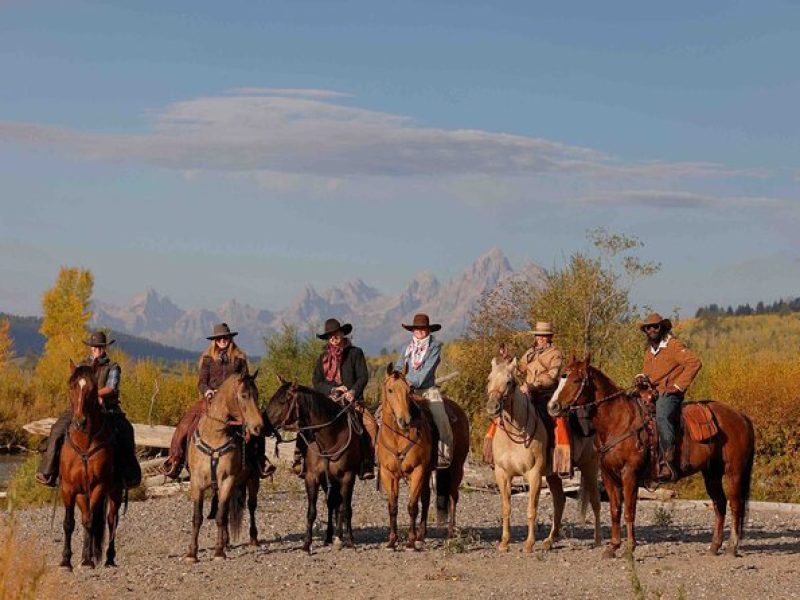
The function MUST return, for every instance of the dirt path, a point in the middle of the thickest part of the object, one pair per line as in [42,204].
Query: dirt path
[670,563]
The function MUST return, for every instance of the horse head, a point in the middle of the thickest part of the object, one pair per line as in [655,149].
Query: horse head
[82,394]
[282,408]
[396,398]
[574,387]
[247,403]
[501,383]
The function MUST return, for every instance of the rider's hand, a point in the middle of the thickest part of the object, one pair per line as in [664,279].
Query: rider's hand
[349,396]
[524,388]
[341,389]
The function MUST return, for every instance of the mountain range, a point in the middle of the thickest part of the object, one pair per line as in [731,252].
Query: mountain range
[376,317]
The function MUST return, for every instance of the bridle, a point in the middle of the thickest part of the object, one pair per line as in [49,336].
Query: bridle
[585,381]
[503,423]
[399,455]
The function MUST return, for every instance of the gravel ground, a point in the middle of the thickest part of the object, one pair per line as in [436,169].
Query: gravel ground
[671,561]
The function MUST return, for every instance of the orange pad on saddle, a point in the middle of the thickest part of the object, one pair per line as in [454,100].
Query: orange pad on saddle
[699,421]
[562,457]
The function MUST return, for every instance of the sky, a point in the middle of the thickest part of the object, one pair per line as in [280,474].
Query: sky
[246,150]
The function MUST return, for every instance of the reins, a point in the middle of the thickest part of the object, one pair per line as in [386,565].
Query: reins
[86,454]
[399,455]
[293,415]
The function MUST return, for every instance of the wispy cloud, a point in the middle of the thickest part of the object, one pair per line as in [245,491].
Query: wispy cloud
[305,132]
[678,199]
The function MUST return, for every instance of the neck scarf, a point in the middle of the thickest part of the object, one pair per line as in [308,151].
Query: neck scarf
[416,351]
[332,361]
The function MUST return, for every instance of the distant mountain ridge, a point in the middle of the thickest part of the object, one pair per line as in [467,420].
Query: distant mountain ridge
[376,317]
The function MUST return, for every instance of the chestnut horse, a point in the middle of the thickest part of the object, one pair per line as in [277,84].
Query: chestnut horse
[86,470]
[618,419]
[519,447]
[333,459]
[216,460]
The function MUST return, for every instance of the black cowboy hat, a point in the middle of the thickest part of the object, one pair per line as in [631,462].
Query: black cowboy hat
[656,319]
[221,330]
[421,321]
[97,339]
[332,326]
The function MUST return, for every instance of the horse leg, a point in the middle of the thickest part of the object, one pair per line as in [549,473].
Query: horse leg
[559,501]
[504,486]
[425,500]
[391,484]
[252,503]
[415,484]
[348,485]
[534,489]
[713,480]
[86,521]
[226,491]
[197,522]
[456,475]
[614,491]
[589,479]
[69,527]
[112,517]
[733,489]
[630,490]
[312,490]
[338,513]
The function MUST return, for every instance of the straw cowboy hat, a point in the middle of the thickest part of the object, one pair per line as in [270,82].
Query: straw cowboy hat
[656,319]
[221,330]
[332,326]
[97,339]
[543,328]
[422,321]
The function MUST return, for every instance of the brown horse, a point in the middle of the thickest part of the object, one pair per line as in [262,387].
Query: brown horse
[333,435]
[621,440]
[87,476]
[216,461]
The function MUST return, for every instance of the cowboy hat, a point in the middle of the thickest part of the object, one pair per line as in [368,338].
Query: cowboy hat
[422,321]
[332,326]
[656,319]
[97,339]
[221,330]
[543,328]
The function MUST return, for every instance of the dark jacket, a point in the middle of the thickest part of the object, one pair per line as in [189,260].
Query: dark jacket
[105,366]
[214,372]
[353,371]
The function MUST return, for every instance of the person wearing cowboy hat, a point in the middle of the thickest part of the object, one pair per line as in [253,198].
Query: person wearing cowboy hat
[669,369]
[108,375]
[341,373]
[221,359]
[422,356]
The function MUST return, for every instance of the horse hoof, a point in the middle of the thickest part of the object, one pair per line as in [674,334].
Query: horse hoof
[547,545]
[307,548]
[419,545]
[110,563]
[732,551]
[609,553]
[87,565]
[337,544]
[190,559]
[219,557]
[713,550]
[253,542]
[501,547]
[528,548]
[65,568]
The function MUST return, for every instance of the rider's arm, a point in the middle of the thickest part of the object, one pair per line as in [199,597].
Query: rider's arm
[318,379]
[112,383]
[361,372]
[425,376]
[549,378]
[205,375]
[690,365]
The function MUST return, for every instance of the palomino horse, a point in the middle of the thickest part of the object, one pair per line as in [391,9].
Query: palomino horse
[333,435]
[406,449]
[86,471]
[216,460]
[619,421]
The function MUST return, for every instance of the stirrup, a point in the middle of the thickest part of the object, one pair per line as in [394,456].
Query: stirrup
[48,480]
[268,471]
[171,469]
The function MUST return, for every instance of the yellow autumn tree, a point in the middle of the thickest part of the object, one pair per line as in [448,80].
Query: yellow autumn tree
[6,344]
[66,311]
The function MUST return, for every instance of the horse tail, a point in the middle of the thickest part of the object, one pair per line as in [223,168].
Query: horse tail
[747,475]
[97,530]
[443,479]
[236,506]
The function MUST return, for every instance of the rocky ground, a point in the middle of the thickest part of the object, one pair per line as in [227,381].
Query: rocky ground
[671,561]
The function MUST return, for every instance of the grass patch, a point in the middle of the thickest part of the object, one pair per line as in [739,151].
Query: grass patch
[639,591]
[23,491]
[662,517]
[461,541]
[22,567]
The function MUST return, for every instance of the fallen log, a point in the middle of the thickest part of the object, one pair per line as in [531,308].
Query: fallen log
[152,436]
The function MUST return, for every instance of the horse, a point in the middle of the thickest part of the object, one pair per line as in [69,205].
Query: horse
[407,449]
[622,444]
[333,435]
[86,469]
[216,461]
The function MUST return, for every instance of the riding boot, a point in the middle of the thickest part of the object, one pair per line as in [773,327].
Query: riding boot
[667,471]
[126,461]
[173,466]
[47,473]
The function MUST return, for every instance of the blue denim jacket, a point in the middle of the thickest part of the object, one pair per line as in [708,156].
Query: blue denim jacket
[425,376]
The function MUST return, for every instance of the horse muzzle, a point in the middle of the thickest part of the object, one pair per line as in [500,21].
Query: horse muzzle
[256,431]
[493,407]
[554,408]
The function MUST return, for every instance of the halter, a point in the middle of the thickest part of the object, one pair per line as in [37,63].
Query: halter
[400,455]
[523,438]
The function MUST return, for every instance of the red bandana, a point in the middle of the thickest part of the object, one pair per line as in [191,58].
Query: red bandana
[332,361]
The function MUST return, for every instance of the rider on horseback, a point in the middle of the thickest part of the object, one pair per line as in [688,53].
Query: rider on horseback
[669,368]
[422,356]
[341,373]
[108,378]
[220,360]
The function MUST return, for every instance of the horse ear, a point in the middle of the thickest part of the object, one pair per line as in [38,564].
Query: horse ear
[494,364]
[281,380]
[514,363]
[588,358]
[294,387]
[502,351]
[389,369]
[255,374]
[72,366]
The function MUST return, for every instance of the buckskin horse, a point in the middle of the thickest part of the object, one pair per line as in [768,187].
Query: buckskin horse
[86,469]
[519,448]
[407,449]
[216,461]
[333,435]
[619,419]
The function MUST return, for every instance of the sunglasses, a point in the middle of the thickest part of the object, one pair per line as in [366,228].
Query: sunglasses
[646,327]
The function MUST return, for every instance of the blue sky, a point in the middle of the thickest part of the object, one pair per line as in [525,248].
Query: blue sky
[217,150]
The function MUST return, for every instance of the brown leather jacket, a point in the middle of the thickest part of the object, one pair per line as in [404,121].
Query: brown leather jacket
[542,367]
[672,367]
[213,371]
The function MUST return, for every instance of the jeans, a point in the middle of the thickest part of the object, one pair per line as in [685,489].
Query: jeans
[668,412]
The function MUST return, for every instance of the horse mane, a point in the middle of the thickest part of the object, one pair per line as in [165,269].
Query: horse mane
[602,377]
[314,401]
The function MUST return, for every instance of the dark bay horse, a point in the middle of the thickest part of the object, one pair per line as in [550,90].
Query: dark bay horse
[87,475]
[216,461]
[333,434]
[618,419]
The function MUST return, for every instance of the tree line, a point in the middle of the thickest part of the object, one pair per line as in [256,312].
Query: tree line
[779,307]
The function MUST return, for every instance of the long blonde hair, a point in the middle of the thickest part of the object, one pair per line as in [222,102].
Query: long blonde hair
[212,352]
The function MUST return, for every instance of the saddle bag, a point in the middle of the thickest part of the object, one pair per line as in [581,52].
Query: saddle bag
[699,421]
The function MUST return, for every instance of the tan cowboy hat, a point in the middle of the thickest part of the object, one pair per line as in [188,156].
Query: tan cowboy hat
[97,339]
[422,321]
[332,326]
[221,330]
[656,319]
[543,328]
